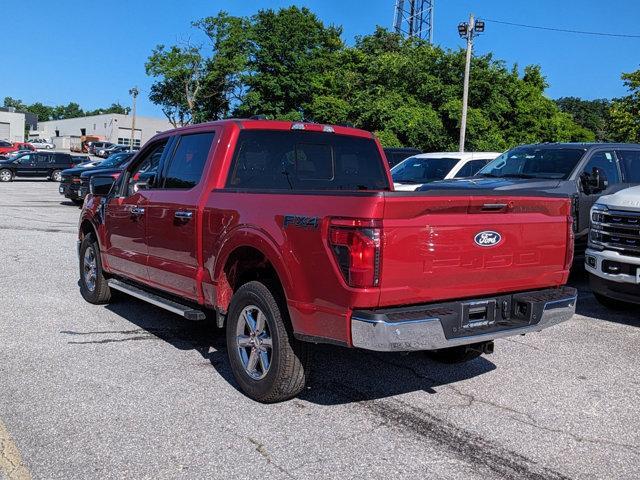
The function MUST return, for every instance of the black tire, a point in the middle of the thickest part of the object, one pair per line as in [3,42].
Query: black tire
[77,201]
[6,175]
[100,293]
[290,359]
[611,303]
[461,354]
[56,176]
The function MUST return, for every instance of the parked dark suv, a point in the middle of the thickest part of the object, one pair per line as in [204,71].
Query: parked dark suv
[71,183]
[583,171]
[38,164]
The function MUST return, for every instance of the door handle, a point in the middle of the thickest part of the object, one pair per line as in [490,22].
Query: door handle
[137,211]
[183,215]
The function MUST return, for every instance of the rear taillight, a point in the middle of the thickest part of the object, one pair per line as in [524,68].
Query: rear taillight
[568,258]
[356,248]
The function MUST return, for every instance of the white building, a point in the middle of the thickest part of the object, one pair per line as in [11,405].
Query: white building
[110,127]
[12,126]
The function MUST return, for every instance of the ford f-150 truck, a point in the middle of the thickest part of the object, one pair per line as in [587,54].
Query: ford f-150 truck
[291,234]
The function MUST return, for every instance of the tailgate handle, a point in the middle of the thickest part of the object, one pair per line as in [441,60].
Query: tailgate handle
[494,206]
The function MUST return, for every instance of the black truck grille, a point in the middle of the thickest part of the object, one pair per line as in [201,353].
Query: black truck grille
[617,230]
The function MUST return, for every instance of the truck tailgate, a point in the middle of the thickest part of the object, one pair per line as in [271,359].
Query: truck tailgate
[436,248]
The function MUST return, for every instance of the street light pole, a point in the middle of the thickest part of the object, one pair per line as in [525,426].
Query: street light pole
[468,31]
[134,93]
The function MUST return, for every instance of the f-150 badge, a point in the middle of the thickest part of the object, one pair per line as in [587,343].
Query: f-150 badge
[488,239]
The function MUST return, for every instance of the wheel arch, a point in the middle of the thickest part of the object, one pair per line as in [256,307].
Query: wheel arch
[246,256]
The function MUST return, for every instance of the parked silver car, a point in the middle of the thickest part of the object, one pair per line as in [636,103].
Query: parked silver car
[42,144]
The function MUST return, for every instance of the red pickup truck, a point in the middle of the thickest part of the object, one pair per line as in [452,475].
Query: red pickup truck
[291,234]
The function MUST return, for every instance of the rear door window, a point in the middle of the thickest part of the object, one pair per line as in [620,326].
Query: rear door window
[189,158]
[630,160]
[44,158]
[302,160]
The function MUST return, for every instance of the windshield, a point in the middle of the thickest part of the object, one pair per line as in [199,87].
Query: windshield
[534,162]
[115,161]
[422,170]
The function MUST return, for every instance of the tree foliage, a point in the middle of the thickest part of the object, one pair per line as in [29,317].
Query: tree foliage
[60,112]
[591,114]
[288,64]
[625,111]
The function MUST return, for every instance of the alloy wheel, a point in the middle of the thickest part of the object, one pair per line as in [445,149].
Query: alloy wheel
[90,268]
[254,343]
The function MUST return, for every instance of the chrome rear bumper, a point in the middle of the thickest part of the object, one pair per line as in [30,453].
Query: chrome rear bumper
[382,332]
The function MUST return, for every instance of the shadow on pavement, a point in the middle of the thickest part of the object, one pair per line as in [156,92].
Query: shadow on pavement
[339,375]
[588,306]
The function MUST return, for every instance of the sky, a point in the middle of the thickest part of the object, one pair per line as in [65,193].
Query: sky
[93,54]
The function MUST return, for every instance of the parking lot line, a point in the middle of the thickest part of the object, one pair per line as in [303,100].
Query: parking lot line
[11,465]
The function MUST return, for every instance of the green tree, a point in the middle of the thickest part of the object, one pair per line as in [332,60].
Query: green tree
[229,45]
[288,50]
[625,111]
[114,108]
[590,114]
[287,64]
[181,72]
[44,112]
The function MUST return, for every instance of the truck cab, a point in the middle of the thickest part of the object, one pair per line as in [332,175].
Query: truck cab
[613,256]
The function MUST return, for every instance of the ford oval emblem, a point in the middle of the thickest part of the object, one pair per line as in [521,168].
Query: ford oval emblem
[488,238]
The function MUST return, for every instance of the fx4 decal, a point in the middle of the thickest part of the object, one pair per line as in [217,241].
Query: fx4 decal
[300,222]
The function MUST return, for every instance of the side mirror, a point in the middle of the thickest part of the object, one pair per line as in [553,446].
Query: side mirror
[594,182]
[101,185]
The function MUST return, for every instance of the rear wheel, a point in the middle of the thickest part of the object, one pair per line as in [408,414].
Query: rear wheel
[6,175]
[93,284]
[268,363]
[56,176]
[460,354]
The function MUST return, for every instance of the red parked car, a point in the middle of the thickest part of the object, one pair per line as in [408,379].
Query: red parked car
[7,147]
[292,234]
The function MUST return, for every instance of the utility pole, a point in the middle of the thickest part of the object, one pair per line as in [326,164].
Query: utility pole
[468,31]
[134,93]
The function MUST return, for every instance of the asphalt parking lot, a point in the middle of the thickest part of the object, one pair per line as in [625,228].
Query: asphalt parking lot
[130,391]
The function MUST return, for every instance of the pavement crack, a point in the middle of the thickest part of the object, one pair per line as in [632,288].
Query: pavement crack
[104,332]
[11,464]
[260,448]
[116,340]
[471,399]
[532,422]
[32,229]
[468,446]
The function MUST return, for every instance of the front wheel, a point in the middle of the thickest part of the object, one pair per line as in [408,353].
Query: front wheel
[6,175]
[56,176]
[268,363]
[93,284]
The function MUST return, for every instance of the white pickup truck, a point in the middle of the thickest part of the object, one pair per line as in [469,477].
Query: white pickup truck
[613,256]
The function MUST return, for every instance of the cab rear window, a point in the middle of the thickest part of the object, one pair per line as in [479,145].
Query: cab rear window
[301,160]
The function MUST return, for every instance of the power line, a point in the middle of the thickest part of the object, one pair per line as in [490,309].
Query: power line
[564,30]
